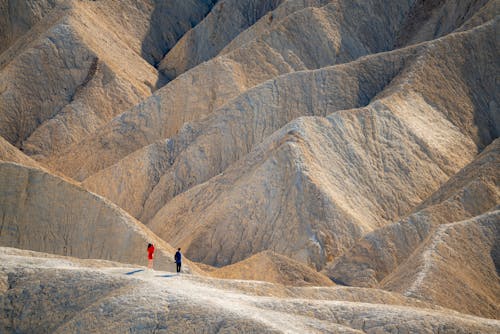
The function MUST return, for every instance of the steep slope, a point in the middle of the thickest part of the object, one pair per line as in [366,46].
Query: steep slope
[428,139]
[11,153]
[213,141]
[73,73]
[16,18]
[461,255]
[169,21]
[61,295]
[286,48]
[272,19]
[86,66]
[45,213]
[226,21]
[441,18]
[205,148]
[275,268]
[471,192]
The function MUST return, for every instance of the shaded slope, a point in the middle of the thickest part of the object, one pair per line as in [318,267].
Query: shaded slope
[431,19]
[45,213]
[169,21]
[130,182]
[226,21]
[469,193]
[458,256]
[16,18]
[275,268]
[270,20]
[105,299]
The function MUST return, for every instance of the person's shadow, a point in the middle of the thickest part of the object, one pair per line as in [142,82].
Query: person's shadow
[166,275]
[134,272]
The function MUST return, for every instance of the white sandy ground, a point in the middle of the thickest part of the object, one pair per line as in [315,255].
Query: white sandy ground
[194,304]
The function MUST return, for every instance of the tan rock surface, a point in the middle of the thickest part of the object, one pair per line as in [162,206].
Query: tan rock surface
[369,166]
[61,295]
[213,143]
[272,19]
[471,192]
[462,256]
[275,268]
[44,213]
[11,153]
[224,22]
[74,72]
[358,137]
[286,48]
[87,66]
[18,18]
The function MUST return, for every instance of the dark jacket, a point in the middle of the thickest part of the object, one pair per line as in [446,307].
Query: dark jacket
[178,257]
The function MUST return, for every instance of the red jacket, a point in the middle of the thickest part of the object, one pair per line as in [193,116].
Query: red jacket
[151,250]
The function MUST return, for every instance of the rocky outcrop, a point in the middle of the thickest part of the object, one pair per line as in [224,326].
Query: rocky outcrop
[275,268]
[441,18]
[354,138]
[61,295]
[44,213]
[270,20]
[471,192]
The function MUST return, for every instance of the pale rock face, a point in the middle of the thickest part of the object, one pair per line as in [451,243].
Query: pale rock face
[66,94]
[45,213]
[136,175]
[169,21]
[63,295]
[462,255]
[11,153]
[471,192]
[262,26]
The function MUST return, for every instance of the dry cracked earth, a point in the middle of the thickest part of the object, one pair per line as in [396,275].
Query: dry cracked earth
[326,166]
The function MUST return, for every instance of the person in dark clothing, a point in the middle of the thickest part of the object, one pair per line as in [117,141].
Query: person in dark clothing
[178,260]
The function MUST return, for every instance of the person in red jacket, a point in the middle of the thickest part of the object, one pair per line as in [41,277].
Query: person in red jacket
[151,250]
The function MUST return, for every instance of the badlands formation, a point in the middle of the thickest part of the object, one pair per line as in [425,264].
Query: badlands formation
[326,166]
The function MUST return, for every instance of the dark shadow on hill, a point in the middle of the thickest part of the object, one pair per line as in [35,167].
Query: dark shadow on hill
[170,20]
[479,70]
[495,254]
